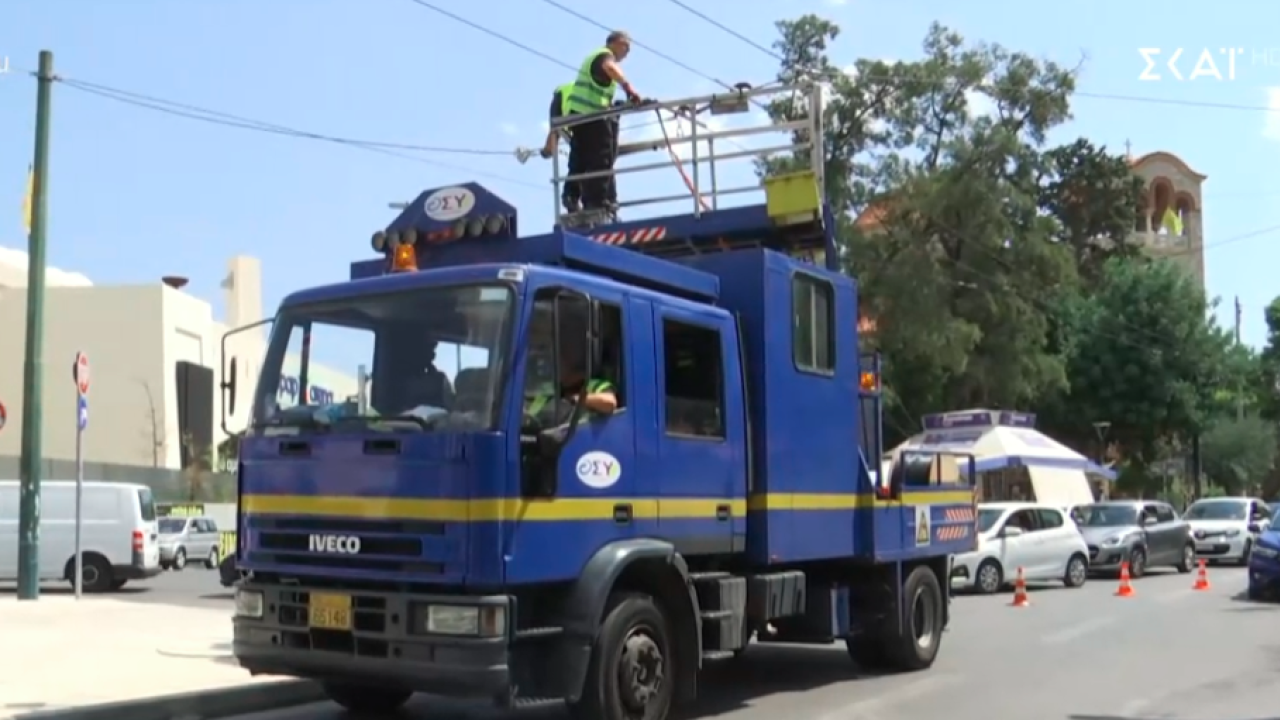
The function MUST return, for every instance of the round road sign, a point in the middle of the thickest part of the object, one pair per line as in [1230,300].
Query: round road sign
[4,416]
[80,371]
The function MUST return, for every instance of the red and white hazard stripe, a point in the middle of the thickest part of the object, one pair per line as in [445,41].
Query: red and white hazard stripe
[638,235]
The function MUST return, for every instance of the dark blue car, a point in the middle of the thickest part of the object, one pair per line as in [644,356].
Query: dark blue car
[1264,563]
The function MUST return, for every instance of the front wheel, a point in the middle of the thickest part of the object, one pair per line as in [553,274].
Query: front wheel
[1137,563]
[1077,571]
[632,672]
[989,577]
[364,699]
[1248,550]
[1188,561]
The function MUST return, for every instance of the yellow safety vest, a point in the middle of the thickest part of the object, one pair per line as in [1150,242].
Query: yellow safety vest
[546,394]
[588,96]
[565,90]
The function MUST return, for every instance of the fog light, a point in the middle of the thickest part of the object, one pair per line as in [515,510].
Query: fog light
[248,604]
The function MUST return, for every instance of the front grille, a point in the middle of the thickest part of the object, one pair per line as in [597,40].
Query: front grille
[384,546]
[369,617]
[369,544]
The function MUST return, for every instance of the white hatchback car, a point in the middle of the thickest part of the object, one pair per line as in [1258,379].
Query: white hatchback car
[1040,539]
[1225,528]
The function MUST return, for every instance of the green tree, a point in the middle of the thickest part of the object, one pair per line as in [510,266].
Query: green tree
[1238,455]
[970,230]
[1143,355]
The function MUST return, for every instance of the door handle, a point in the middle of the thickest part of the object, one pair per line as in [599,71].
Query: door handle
[723,513]
[622,513]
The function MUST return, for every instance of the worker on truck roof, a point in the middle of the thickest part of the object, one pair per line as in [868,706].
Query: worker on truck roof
[593,145]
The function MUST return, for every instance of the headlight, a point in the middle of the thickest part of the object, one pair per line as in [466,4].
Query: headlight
[1114,541]
[1233,533]
[486,621]
[248,604]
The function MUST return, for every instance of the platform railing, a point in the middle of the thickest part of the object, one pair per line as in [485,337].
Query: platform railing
[804,135]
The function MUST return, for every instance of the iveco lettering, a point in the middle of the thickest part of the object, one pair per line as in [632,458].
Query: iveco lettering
[551,432]
[348,544]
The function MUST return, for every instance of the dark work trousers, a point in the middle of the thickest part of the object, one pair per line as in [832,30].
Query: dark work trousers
[591,149]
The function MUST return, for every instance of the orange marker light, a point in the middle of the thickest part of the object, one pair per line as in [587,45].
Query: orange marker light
[868,381]
[404,259]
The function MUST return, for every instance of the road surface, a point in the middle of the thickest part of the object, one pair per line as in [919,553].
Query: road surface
[193,587]
[1073,655]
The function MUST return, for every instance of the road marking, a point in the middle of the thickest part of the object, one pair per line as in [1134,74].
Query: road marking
[878,707]
[1078,630]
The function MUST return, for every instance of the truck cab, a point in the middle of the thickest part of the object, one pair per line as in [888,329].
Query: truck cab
[457,517]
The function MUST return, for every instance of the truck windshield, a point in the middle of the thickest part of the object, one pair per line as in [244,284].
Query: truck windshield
[432,358]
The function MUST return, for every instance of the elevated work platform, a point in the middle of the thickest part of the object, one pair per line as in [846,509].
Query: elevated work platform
[790,216]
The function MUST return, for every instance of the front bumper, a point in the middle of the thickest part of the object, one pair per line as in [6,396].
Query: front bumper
[1221,547]
[964,570]
[1106,558]
[381,649]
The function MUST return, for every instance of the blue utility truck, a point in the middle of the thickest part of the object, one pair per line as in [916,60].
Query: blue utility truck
[428,530]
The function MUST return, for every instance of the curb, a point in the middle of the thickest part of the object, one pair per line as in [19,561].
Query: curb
[199,705]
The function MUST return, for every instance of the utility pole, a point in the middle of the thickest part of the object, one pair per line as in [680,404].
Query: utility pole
[1240,390]
[32,365]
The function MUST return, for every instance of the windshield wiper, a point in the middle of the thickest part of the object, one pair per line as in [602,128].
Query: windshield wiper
[391,420]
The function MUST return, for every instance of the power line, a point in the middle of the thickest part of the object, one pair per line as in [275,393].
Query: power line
[215,117]
[716,23]
[494,34]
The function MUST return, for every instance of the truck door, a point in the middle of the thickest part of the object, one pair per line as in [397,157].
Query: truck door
[701,447]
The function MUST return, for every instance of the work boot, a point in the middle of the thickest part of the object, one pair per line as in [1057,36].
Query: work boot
[571,204]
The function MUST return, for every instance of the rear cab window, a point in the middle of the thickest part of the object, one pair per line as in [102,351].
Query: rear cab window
[147,504]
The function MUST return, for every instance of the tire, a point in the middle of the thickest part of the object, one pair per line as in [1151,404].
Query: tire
[179,559]
[922,610]
[366,699]
[988,578]
[1137,563]
[1188,561]
[211,562]
[633,641]
[1077,573]
[227,574]
[1244,556]
[95,573]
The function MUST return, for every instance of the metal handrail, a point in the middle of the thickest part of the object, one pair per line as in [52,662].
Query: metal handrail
[803,134]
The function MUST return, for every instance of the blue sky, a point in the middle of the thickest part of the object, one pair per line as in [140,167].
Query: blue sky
[136,194]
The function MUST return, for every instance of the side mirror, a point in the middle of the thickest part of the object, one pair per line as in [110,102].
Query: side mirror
[1011,532]
[1255,527]
[230,373]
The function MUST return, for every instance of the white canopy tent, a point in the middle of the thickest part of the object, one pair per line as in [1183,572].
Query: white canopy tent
[1003,441]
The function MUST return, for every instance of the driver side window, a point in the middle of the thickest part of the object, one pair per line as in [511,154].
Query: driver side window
[1022,519]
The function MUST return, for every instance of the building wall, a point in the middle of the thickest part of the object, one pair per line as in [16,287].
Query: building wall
[135,336]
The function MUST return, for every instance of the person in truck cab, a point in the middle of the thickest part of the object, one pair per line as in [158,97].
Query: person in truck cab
[548,408]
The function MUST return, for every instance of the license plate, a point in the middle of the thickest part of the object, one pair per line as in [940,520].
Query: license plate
[327,611]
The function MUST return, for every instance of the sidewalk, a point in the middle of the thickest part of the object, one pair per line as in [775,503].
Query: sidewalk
[63,653]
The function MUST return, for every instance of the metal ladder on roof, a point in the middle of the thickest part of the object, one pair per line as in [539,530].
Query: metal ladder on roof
[710,149]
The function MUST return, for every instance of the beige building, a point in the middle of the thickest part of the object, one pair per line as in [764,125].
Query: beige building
[155,356]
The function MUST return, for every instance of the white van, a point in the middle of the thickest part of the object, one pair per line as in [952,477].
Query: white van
[118,536]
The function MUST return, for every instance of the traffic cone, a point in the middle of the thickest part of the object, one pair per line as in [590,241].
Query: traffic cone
[1125,589]
[1020,598]
[1202,577]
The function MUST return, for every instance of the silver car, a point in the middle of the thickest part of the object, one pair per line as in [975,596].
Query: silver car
[1143,533]
[188,538]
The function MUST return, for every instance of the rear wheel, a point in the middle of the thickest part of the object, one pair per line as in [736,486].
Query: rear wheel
[366,699]
[920,609]
[212,561]
[179,559]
